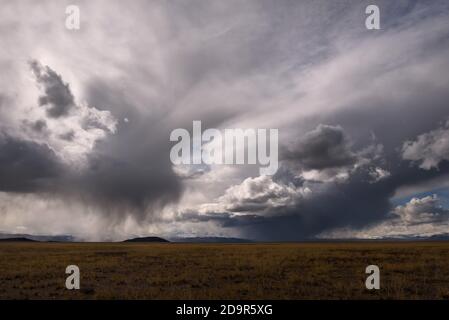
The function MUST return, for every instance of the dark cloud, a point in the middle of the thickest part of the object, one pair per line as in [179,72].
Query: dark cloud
[131,170]
[224,219]
[57,98]
[27,166]
[135,184]
[324,147]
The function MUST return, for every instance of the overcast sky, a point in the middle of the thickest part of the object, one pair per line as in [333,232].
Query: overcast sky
[86,116]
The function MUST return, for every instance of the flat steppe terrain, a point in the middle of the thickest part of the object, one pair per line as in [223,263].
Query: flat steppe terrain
[409,270]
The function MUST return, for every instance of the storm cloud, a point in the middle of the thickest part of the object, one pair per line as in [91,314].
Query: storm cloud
[58,98]
[66,155]
[27,166]
[294,205]
[324,147]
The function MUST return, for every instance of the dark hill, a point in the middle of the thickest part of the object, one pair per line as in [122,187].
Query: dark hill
[147,239]
[54,238]
[17,240]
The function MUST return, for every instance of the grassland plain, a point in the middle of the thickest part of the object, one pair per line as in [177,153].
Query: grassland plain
[409,270]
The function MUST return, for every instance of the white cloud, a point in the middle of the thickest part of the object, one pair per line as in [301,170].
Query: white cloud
[261,195]
[429,149]
[421,210]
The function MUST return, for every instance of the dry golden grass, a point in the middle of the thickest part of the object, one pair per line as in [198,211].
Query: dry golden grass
[224,271]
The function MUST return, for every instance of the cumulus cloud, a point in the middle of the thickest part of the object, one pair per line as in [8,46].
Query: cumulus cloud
[261,195]
[71,129]
[422,210]
[428,149]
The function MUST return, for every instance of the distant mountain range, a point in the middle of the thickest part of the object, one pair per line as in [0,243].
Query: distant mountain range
[210,240]
[436,237]
[399,238]
[14,237]
[17,240]
[44,238]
